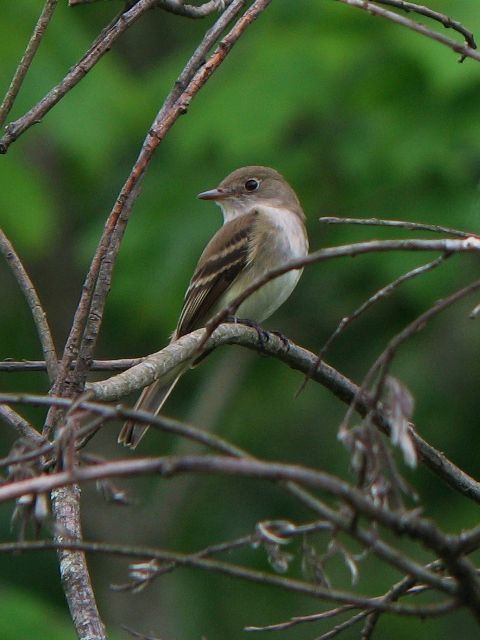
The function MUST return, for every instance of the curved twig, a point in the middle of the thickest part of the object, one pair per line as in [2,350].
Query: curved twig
[33,301]
[464,50]
[447,22]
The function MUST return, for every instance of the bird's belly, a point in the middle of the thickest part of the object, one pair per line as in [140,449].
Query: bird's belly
[261,304]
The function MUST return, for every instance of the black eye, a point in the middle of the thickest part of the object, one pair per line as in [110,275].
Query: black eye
[252,184]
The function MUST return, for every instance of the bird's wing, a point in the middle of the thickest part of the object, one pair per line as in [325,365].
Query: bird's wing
[224,258]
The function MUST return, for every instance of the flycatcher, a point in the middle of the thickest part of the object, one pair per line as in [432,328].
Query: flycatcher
[263,228]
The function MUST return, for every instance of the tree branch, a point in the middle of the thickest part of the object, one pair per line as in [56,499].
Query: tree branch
[447,22]
[73,565]
[370,540]
[33,301]
[27,58]
[464,50]
[76,73]
[197,561]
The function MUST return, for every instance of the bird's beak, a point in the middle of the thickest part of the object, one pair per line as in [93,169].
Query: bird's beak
[213,194]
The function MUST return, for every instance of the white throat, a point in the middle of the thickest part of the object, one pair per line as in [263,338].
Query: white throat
[234,208]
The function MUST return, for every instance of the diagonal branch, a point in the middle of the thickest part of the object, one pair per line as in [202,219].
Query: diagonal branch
[89,313]
[27,58]
[464,50]
[98,49]
[447,22]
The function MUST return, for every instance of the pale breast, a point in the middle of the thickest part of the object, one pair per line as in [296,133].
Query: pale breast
[279,237]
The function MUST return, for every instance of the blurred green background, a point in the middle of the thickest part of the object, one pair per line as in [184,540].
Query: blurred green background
[365,119]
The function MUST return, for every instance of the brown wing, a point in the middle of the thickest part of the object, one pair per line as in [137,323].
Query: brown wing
[225,256]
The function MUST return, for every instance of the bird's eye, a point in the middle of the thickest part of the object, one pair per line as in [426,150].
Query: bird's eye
[252,184]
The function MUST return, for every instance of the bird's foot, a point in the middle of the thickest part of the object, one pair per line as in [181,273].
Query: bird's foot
[262,335]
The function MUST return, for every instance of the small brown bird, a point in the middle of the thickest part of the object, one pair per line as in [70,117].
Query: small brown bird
[263,228]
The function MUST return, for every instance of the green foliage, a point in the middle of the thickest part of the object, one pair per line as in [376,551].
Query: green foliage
[365,119]
[24,616]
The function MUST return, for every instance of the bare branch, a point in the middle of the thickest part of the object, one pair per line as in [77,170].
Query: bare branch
[77,73]
[366,538]
[73,565]
[403,224]
[22,69]
[175,6]
[295,357]
[447,22]
[12,366]
[377,296]
[198,562]
[21,426]
[464,50]
[33,301]
[382,363]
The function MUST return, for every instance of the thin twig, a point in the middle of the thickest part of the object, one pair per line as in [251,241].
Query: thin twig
[338,520]
[447,22]
[21,426]
[217,566]
[33,301]
[13,366]
[296,620]
[24,64]
[403,224]
[76,73]
[383,362]
[464,50]
[376,297]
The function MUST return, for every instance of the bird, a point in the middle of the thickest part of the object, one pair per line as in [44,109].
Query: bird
[263,229]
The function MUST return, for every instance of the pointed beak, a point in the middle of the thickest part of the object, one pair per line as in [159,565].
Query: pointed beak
[213,194]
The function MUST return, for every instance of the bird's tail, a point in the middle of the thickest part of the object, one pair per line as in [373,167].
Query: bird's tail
[151,399]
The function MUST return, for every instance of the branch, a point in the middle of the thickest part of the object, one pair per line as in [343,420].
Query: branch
[89,313]
[447,22]
[33,301]
[339,520]
[295,357]
[76,73]
[12,366]
[403,224]
[417,528]
[191,80]
[175,6]
[22,69]
[464,50]
[73,566]
[377,296]
[470,244]
[383,362]
[21,426]
[196,561]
